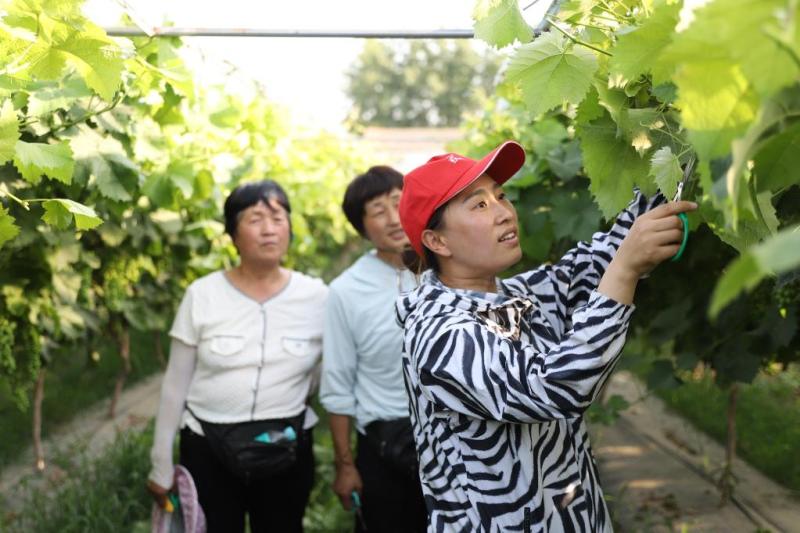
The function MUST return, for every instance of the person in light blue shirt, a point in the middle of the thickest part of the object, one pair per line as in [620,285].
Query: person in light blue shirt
[362,377]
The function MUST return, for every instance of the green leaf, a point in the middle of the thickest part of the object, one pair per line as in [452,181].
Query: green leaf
[777,163]
[500,22]
[612,165]
[574,216]
[160,190]
[780,253]
[9,131]
[565,160]
[666,92]
[666,171]
[227,117]
[59,212]
[590,108]
[71,40]
[747,33]
[547,134]
[8,230]
[661,375]
[615,101]
[56,214]
[96,58]
[49,99]
[635,52]
[639,127]
[535,228]
[104,158]
[750,230]
[52,160]
[717,104]
[551,71]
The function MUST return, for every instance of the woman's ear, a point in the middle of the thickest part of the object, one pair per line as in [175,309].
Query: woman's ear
[436,242]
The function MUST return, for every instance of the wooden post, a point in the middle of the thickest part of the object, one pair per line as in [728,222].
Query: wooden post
[38,396]
[124,344]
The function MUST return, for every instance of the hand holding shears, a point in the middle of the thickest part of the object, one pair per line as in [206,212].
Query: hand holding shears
[687,172]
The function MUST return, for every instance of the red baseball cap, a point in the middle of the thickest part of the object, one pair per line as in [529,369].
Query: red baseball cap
[428,187]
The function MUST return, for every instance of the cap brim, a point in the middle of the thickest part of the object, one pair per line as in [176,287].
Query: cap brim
[500,165]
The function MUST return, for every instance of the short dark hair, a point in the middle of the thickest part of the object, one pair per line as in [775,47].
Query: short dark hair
[418,264]
[249,194]
[376,181]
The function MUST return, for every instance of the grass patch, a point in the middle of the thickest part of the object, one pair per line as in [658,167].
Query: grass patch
[107,492]
[73,383]
[104,493]
[767,420]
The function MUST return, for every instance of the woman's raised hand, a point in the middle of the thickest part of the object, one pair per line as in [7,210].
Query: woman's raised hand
[653,238]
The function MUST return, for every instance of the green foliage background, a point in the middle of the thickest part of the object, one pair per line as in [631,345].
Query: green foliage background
[114,167]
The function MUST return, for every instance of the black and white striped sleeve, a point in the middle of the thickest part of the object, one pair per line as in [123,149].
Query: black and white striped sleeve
[568,283]
[468,369]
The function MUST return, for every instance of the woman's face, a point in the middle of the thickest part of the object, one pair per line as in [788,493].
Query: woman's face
[382,222]
[479,235]
[262,233]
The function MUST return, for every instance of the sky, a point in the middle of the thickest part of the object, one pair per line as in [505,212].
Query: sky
[307,76]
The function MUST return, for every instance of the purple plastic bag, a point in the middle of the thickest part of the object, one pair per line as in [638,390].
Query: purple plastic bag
[188,517]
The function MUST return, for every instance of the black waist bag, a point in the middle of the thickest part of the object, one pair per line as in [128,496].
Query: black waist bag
[394,442]
[255,450]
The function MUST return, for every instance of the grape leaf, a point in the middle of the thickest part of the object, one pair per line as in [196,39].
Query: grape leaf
[777,163]
[779,253]
[565,160]
[48,99]
[635,52]
[550,71]
[8,230]
[500,22]
[612,165]
[52,160]
[742,32]
[717,103]
[590,108]
[9,131]
[666,171]
[574,215]
[547,134]
[59,212]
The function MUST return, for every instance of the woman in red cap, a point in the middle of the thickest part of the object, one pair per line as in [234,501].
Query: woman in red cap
[500,371]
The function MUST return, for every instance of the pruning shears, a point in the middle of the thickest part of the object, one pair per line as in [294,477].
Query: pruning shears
[687,172]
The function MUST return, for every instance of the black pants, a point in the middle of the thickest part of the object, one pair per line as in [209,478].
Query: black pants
[276,504]
[391,500]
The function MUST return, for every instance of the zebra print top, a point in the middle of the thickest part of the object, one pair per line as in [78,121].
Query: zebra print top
[498,384]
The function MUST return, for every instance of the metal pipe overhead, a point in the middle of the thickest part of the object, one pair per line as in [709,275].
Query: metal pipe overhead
[121,31]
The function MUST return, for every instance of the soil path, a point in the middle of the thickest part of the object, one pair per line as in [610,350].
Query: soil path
[657,472]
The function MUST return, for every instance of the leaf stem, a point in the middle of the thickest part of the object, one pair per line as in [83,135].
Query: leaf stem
[87,116]
[601,28]
[5,192]
[575,40]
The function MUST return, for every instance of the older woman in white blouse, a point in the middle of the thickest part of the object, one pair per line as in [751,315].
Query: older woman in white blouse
[245,349]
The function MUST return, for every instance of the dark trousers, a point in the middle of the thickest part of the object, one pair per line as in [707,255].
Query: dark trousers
[391,500]
[275,504]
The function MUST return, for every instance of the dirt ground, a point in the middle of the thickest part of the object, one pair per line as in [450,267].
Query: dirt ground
[657,472]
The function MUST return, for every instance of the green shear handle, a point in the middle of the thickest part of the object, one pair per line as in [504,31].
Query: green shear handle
[687,172]
[685,221]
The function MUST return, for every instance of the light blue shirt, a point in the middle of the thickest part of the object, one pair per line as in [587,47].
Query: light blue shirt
[362,371]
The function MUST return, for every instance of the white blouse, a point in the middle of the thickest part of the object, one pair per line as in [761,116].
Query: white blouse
[247,360]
